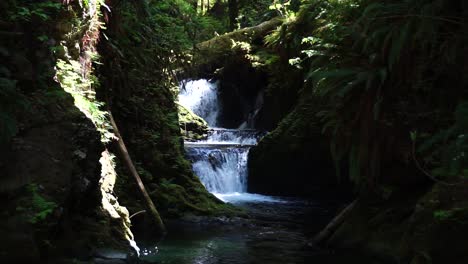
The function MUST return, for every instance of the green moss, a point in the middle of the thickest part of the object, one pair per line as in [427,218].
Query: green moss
[35,206]
[454,214]
[192,126]
[175,201]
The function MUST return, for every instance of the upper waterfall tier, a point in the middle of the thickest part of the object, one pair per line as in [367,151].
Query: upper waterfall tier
[201,96]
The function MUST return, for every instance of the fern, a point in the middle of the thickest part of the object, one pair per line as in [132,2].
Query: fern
[376,63]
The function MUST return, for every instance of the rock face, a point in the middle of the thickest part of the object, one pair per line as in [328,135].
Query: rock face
[293,159]
[241,95]
[52,188]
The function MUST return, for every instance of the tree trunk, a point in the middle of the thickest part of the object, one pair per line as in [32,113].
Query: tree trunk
[150,208]
[213,53]
[222,45]
[233,13]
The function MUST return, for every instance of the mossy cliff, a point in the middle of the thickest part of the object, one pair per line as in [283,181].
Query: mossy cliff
[57,193]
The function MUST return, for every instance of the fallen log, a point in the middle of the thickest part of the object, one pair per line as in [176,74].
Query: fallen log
[244,34]
[218,47]
[332,226]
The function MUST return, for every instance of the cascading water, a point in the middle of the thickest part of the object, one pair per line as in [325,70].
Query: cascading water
[220,161]
[201,97]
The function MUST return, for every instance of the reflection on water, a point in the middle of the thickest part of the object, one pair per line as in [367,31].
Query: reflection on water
[196,247]
[275,235]
[231,248]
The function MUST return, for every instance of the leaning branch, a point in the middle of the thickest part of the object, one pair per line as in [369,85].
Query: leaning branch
[154,214]
[420,168]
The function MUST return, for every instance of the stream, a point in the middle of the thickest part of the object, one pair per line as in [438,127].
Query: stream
[277,229]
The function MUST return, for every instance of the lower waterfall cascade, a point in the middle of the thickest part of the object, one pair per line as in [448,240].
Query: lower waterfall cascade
[220,160]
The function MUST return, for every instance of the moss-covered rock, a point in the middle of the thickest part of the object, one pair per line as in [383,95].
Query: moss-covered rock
[192,126]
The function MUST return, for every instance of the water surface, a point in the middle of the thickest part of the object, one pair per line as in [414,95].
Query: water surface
[276,233]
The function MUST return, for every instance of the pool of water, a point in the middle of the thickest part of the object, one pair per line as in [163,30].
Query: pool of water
[242,198]
[276,233]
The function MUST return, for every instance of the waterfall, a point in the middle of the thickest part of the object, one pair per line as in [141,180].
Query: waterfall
[201,96]
[221,170]
[220,161]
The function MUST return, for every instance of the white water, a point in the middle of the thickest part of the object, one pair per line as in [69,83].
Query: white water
[247,197]
[220,161]
[221,170]
[232,136]
[201,96]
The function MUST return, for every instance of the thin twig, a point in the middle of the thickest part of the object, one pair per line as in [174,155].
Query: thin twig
[418,165]
[137,213]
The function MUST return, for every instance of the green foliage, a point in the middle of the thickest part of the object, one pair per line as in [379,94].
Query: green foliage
[27,10]
[35,206]
[442,215]
[82,88]
[447,150]
[451,214]
[170,27]
[255,12]
[382,67]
